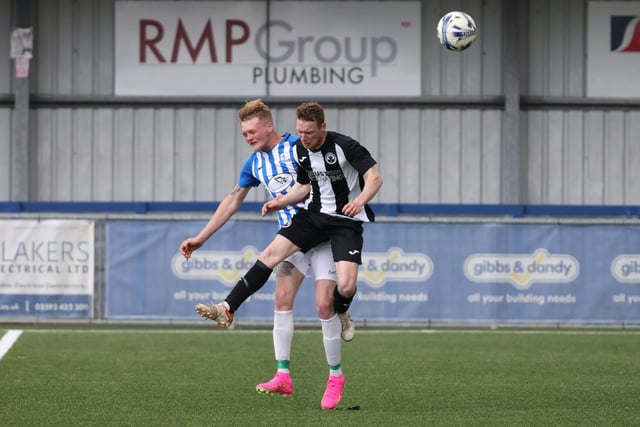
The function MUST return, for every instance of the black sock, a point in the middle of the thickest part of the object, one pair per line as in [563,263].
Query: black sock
[340,302]
[248,285]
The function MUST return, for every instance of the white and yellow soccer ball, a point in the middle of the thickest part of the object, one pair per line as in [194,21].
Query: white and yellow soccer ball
[456,30]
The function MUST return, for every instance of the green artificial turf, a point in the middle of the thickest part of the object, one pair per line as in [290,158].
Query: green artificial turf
[157,377]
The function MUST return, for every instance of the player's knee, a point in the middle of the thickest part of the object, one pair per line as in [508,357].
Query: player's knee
[284,299]
[325,309]
[270,257]
[347,289]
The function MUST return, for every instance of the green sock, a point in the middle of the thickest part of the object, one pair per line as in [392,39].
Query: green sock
[283,366]
[335,370]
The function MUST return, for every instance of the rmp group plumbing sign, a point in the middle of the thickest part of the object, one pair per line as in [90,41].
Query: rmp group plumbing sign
[256,48]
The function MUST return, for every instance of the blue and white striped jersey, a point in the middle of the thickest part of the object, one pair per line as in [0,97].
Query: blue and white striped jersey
[276,170]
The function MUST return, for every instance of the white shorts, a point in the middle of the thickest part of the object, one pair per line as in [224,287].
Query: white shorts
[318,259]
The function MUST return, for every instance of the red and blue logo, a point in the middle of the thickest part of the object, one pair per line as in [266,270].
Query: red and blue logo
[625,33]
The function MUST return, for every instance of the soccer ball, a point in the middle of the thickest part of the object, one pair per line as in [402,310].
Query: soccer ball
[456,30]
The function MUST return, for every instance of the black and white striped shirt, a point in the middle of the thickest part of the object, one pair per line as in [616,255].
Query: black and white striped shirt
[335,173]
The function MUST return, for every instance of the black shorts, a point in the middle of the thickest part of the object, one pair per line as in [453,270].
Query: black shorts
[309,229]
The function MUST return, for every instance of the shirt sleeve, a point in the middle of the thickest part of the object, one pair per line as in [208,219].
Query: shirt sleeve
[357,155]
[247,178]
[303,176]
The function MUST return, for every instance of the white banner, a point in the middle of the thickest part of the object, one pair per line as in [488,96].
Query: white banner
[613,49]
[49,257]
[314,48]
[22,43]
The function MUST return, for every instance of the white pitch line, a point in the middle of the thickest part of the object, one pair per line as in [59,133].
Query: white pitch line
[7,341]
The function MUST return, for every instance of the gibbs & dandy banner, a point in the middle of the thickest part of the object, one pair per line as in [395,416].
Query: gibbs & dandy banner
[500,273]
[260,48]
[146,276]
[46,268]
[410,272]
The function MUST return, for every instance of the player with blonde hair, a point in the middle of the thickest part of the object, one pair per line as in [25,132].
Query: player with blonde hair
[272,164]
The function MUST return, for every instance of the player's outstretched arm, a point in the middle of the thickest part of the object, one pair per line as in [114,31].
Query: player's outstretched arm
[295,195]
[227,207]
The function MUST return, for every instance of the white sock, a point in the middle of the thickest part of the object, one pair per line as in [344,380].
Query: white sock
[282,337]
[331,331]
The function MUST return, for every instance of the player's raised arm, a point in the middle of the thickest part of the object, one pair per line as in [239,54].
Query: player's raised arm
[227,207]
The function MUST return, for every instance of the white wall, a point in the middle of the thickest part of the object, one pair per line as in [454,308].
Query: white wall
[88,145]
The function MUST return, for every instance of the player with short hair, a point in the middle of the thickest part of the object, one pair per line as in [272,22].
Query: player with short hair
[272,164]
[337,177]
